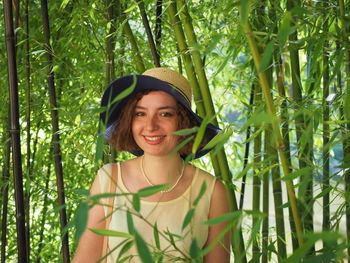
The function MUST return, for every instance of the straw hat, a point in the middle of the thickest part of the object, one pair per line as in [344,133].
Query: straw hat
[121,90]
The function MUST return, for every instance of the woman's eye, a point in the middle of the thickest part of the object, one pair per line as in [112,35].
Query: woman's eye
[166,114]
[139,113]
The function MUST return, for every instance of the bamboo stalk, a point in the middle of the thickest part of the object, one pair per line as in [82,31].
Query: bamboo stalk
[158,26]
[15,132]
[110,42]
[326,131]
[155,55]
[346,141]
[275,124]
[28,120]
[55,132]
[44,212]
[246,150]
[5,185]
[203,85]
[140,66]
[301,122]
[219,163]
[276,178]
[256,179]
[181,42]
[266,197]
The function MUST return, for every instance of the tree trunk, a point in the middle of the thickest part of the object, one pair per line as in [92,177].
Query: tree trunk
[5,186]
[148,30]
[55,132]
[15,133]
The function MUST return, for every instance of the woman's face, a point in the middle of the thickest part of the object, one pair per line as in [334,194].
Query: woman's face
[154,121]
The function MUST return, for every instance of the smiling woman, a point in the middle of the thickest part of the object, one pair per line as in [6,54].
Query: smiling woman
[143,114]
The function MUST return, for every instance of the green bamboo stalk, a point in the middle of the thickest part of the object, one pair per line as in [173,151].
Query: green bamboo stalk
[277,186]
[301,122]
[110,41]
[140,66]
[266,176]
[203,83]
[346,141]
[246,150]
[181,42]
[276,128]
[326,131]
[256,179]
[238,244]
[15,132]
[283,106]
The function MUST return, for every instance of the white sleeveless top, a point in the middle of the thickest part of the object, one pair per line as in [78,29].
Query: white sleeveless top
[167,215]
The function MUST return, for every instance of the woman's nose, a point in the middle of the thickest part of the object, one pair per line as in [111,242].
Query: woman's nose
[151,123]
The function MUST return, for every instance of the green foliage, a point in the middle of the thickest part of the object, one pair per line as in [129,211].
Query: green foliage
[78,33]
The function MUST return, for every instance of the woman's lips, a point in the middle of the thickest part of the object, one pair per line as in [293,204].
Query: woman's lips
[153,139]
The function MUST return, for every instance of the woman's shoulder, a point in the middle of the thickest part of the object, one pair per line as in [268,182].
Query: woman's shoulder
[204,175]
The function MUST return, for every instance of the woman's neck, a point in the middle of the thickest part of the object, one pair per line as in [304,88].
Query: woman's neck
[161,170]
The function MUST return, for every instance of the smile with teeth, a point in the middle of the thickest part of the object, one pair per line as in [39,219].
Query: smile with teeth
[153,139]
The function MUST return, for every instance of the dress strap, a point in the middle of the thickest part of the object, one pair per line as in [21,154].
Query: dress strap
[115,170]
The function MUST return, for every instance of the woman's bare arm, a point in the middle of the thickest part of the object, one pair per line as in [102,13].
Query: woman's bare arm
[90,245]
[219,205]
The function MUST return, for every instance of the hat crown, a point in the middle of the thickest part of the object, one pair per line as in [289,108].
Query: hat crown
[172,77]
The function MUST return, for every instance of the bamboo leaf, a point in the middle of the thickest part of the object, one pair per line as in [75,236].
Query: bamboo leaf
[298,173]
[267,56]
[130,222]
[151,190]
[136,203]
[201,193]
[219,138]
[188,218]
[181,144]
[195,251]
[81,217]
[110,233]
[185,132]
[142,249]
[125,92]
[285,29]
[99,148]
[233,216]
[156,235]
[124,249]
[200,135]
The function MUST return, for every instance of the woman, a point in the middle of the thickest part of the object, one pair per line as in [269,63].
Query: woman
[143,112]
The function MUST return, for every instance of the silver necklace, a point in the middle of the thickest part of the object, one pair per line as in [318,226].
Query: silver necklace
[169,189]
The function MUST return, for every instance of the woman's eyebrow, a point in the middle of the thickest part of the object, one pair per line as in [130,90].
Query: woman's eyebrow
[160,108]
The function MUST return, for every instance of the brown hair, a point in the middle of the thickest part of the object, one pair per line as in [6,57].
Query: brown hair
[121,137]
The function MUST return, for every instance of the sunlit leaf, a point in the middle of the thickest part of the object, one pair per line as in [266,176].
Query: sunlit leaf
[142,249]
[200,194]
[200,135]
[81,217]
[151,190]
[136,203]
[110,233]
[130,222]
[188,218]
[233,216]
[219,138]
[156,235]
[266,58]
